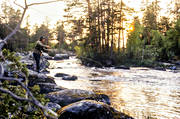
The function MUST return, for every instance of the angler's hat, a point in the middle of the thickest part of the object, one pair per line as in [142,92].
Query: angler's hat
[42,37]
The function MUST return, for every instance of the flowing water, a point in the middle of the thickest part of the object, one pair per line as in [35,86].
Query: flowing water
[142,93]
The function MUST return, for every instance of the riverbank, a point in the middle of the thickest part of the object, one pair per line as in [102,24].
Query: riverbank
[65,100]
[173,65]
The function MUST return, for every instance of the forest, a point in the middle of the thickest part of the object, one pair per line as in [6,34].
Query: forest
[142,42]
[100,34]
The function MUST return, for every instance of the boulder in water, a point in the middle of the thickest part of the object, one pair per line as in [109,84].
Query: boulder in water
[86,109]
[70,78]
[108,63]
[173,67]
[68,96]
[61,56]
[61,75]
[122,67]
[177,63]
[160,68]
[66,77]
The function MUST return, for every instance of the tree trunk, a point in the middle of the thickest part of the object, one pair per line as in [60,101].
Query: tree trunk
[99,30]
[112,29]
[108,27]
[123,36]
[90,21]
[119,36]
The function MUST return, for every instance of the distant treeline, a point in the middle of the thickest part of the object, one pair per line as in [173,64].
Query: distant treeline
[104,36]
[99,32]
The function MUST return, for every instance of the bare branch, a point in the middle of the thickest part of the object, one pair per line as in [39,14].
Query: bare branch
[23,99]
[40,3]
[2,42]
[34,100]
[15,30]
[1,70]
[18,4]
[25,3]
[13,95]
[12,29]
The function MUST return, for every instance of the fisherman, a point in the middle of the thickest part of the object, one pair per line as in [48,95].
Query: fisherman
[39,48]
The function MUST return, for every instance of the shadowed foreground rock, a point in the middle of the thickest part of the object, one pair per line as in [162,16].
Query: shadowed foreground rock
[68,96]
[53,106]
[86,109]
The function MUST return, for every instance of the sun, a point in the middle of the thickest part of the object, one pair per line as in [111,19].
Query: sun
[131,28]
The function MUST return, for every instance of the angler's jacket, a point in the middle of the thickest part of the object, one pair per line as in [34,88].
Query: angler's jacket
[40,47]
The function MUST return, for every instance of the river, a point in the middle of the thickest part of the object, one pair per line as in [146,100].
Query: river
[139,92]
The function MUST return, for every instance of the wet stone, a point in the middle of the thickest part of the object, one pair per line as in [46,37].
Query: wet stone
[68,96]
[49,87]
[86,109]
[61,56]
[70,78]
[122,67]
[53,106]
[35,78]
[61,75]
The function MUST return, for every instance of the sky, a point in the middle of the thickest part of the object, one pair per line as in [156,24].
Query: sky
[38,14]
[54,11]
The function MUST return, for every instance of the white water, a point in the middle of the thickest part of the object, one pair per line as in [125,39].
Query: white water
[138,92]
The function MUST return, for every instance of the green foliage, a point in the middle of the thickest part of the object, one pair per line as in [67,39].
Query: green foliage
[150,16]
[135,43]
[78,51]
[89,55]
[154,45]
[15,65]
[31,46]
[170,43]
[87,51]
[64,46]
[12,108]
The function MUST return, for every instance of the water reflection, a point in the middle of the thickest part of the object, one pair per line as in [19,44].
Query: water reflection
[141,93]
